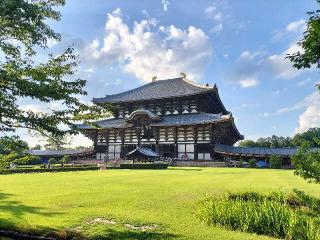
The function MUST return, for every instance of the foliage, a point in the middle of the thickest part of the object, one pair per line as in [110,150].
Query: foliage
[307,164]
[23,29]
[252,163]
[56,142]
[40,170]
[275,161]
[291,216]
[65,159]
[310,46]
[12,144]
[52,161]
[268,142]
[28,160]
[241,163]
[144,166]
[311,137]
[36,147]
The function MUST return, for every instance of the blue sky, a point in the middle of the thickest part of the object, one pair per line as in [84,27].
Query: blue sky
[239,45]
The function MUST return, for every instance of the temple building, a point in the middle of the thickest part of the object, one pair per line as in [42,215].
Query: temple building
[174,118]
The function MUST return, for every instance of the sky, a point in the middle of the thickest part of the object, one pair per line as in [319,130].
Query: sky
[238,45]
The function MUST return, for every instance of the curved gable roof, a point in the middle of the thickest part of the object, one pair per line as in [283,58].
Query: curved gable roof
[176,87]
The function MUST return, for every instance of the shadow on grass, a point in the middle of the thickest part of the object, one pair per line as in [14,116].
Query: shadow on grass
[131,235]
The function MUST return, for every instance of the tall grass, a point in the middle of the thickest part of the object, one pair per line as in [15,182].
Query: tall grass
[291,216]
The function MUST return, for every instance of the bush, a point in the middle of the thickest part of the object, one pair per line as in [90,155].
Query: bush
[28,160]
[241,163]
[291,216]
[252,163]
[65,159]
[52,161]
[275,161]
[40,170]
[144,166]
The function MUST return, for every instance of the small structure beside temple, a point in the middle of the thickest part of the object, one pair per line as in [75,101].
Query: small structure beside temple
[174,118]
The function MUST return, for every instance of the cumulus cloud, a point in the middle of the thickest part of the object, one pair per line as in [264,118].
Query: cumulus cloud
[148,50]
[311,116]
[281,66]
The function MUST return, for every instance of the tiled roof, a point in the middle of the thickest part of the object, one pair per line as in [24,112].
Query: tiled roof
[176,87]
[145,152]
[58,152]
[254,151]
[170,120]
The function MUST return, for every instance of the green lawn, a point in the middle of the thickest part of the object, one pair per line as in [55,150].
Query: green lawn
[138,197]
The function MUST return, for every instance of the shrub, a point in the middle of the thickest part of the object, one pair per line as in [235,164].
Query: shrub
[144,166]
[52,161]
[241,163]
[291,216]
[252,163]
[65,159]
[28,160]
[40,170]
[275,161]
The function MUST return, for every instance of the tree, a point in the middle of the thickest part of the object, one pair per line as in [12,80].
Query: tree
[23,29]
[275,161]
[65,160]
[311,137]
[36,147]
[13,144]
[56,142]
[310,54]
[307,164]
[252,163]
[247,143]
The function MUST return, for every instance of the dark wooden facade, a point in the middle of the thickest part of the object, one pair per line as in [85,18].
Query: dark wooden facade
[176,118]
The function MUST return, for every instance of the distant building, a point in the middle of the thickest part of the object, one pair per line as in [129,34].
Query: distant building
[75,154]
[174,118]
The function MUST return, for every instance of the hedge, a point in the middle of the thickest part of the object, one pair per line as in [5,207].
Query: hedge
[144,166]
[40,170]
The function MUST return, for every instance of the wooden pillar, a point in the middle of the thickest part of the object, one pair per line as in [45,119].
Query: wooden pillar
[157,137]
[122,135]
[212,141]
[195,137]
[138,131]
[176,142]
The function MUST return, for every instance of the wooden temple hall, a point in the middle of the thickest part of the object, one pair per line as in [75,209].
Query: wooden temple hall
[174,118]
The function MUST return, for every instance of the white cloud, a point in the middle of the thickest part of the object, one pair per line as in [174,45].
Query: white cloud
[296,26]
[165,52]
[246,69]
[51,42]
[248,82]
[212,13]
[165,4]
[281,66]
[217,28]
[89,70]
[311,116]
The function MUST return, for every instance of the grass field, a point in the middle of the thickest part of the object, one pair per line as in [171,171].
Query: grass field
[165,198]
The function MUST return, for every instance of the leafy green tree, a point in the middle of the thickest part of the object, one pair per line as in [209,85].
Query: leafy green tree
[310,54]
[275,161]
[52,161]
[65,160]
[56,142]
[36,147]
[311,137]
[247,143]
[10,144]
[24,30]
[252,163]
[307,164]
